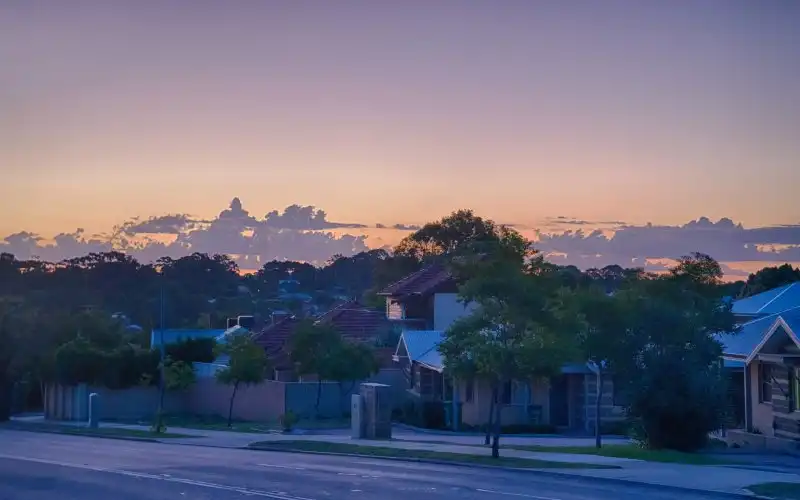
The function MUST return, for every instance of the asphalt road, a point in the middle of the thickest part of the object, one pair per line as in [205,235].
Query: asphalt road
[46,466]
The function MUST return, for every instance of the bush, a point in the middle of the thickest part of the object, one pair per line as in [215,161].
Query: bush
[192,350]
[622,427]
[676,408]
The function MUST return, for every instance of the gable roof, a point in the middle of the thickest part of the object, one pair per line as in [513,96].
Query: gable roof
[742,344]
[772,301]
[779,325]
[422,347]
[419,282]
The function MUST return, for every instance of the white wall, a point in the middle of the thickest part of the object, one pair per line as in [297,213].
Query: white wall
[447,309]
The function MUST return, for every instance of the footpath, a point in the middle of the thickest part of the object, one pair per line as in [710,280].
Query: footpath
[730,479]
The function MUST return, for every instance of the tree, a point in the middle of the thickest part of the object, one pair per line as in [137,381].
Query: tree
[513,332]
[447,236]
[313,351]
[247,364]
[15,321]
[602,337]
[350,362]
[677,390]
[179,375]
[769,278]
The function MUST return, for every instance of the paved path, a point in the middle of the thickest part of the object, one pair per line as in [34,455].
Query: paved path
[36,466]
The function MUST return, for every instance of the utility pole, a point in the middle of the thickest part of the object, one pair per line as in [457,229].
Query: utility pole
[161,378]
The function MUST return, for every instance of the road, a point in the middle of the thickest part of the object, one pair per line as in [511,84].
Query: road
[46,466]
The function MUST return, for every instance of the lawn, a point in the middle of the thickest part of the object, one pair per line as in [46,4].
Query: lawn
[214,423]
[630,451]
[108,432]
[786,491]
[387,452]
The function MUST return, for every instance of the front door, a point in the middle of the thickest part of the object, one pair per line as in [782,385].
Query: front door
[559,401]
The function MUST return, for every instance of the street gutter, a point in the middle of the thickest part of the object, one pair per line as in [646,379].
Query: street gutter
[547,472]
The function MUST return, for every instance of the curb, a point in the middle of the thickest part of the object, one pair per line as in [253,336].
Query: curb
[78,434]
[541,472]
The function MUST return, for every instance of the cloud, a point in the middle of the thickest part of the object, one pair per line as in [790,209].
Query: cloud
[724,240]
[304,217]
[406,227]
[304,233]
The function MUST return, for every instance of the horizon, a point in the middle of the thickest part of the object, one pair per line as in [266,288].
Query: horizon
[585,121]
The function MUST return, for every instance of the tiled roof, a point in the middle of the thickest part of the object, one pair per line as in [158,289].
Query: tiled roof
[353,321]
[770,302]
[419,282]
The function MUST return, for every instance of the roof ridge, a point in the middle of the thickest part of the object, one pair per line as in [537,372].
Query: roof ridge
[786,288]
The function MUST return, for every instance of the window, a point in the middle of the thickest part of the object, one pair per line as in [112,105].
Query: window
[764,383]
[470,391]
[794,392]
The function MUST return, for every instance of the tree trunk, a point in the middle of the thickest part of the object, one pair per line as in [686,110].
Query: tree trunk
[489,425]
[498,407]
[230,406]
[6,392]
[319,395]
[598,436]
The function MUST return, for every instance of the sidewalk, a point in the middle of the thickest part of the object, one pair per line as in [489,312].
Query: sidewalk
[725,479]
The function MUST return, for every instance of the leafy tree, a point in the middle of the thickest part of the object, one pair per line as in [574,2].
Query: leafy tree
[349,363]
[602,337]
[15,328]
[447,236]
[677,390]
[313,350]
[769,278]
[247,365]
[179,375]
[513,333]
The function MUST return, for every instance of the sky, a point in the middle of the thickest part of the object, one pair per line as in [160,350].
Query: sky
[529,112]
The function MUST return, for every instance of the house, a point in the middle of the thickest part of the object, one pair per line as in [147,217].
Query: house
[354,321]
[425,304]
[766,353]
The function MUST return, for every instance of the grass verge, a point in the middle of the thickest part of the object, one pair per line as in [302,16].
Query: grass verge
[386,452]
[630,451]
[784,491]
[107,432]
[211,423]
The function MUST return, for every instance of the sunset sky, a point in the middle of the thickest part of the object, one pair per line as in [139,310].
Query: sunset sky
[399,112]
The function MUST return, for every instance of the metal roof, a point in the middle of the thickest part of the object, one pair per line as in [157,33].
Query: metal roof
[176,335]
[752,332]
[422,347]
[770,302]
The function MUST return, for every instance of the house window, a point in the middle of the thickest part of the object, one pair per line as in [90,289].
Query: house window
[505,393]
[764,383]
[469,393]
[794,393]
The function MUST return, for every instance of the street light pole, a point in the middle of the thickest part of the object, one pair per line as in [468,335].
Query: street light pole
[161,378]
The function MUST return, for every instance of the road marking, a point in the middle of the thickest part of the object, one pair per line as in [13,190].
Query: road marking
[282,466]
[143,475]
[523,495]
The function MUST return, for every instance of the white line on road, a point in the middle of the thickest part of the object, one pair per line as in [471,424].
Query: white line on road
[523,495]
[281,466]
[142,475]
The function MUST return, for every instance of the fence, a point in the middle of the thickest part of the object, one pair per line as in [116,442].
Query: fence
[263,402]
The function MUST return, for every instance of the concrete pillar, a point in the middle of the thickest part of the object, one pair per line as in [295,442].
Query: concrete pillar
[748,400]
[357,427]
[377,410]
[94,410]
